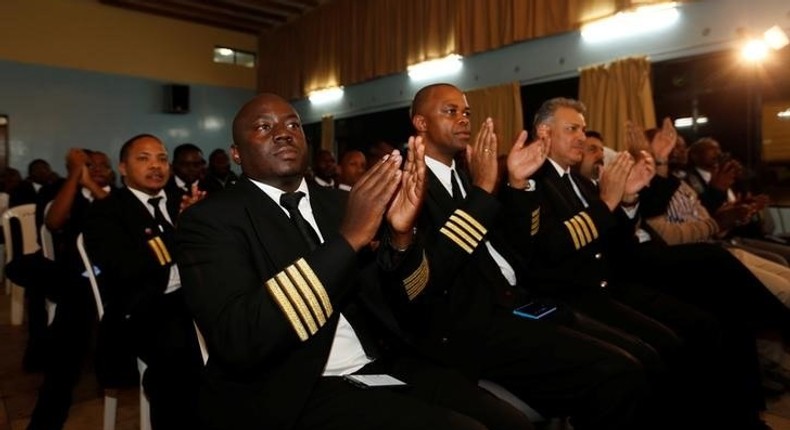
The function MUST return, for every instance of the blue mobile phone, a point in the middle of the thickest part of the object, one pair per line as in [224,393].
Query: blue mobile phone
[535,310]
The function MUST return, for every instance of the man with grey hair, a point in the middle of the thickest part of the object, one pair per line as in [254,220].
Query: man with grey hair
[587,236]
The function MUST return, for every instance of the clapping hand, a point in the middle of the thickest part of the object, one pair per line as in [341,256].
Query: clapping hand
[481,157]
[405,206]
[524,160]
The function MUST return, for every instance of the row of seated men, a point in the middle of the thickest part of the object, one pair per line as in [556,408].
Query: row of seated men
[59,347]
[309,326]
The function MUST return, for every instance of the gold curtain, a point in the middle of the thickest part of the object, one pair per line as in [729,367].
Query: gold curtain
[615,93]
[503,104]
[328,133]
[345,42]
[491,24]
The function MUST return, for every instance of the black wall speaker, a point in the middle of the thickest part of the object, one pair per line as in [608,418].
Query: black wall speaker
[176,98]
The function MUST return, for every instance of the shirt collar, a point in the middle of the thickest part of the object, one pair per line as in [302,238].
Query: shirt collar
[559,169]
[442,171]
[143,196]
[89,196]
[274,193]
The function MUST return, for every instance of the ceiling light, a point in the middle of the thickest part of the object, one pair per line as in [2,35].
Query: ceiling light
[689,121]
[776,38]
[628,23]
[435,68]
[326,95]
[784,115]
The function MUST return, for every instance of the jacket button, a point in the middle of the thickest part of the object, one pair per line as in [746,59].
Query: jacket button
[445,340]
[598,256]
[604,284]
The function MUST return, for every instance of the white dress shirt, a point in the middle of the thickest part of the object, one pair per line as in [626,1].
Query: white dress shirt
[347,355]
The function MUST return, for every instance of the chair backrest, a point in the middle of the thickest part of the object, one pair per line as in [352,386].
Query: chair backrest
[91,273]
[26,215]
[47,244]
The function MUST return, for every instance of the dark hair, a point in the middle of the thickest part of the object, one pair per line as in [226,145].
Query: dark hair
[422,97]
[595,134]
[128,144]
[33,164]
[183,149]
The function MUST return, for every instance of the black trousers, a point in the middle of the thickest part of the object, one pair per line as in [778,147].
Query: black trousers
[166,341]
[69,340]
[435,398]
[563,372]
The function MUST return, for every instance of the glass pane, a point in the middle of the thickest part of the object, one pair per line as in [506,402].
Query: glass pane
[223,55]
[245,59]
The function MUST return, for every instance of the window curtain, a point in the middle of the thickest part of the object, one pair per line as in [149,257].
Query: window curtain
[503,104]
[615,93]
[344,42]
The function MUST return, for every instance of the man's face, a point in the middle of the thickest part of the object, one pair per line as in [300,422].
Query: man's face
[444,123]
[325,166]
[707,156]
[566,133]
[269,141]
[219,163]
[352,167]
[146,167]
[592,161]
[189,166]
[100,168]
[679,155]
[40,172]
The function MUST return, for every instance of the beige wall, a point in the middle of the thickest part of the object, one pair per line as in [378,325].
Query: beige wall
[88,35]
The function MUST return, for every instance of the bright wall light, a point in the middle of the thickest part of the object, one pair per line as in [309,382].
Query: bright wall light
[435,68]
[643,19]
[689,121]
[326,95]
[776,38]
[754,50]
[784,115]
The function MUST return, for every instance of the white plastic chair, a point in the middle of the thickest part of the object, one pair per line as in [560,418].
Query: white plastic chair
[26,214]
[3,207]
[110,396]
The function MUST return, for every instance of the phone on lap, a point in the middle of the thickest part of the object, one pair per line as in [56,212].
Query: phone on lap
[535,309]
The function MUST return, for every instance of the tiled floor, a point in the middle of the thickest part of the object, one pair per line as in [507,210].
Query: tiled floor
[18,390]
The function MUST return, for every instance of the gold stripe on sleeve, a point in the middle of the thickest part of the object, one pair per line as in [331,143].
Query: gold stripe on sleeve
[460,232]
[590,224]
[297,301]
[456,239]
[154,247]
[472,221]
[286,308]
[307,293]
[315,284]
[417,281]
[572,231]
[577,223]
[162,246]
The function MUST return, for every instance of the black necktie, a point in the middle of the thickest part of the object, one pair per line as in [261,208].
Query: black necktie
[290,201]
[458,197]
[164,225]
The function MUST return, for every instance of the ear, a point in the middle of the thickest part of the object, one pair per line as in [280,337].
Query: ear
[234,154]
[543,131]
[419,123]
[122,168]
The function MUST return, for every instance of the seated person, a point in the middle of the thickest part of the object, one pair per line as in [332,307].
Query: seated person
[292,307]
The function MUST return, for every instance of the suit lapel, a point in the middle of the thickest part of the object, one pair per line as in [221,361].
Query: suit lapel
[276,234]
